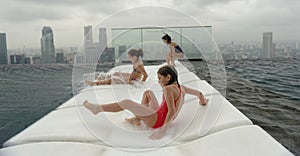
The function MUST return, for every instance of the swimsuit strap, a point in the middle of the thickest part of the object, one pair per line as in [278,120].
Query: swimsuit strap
[179,93]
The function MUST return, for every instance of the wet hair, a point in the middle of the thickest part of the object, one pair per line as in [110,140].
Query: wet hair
[169,70]
[136,52]
[167,38]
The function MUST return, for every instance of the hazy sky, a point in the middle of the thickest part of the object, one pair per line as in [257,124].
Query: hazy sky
[232,20]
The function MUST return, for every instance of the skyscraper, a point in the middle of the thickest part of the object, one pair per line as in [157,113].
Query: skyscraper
[92,53]
[88,35]
[268,48]
[3,49]
[94,50]
[47,43]
[89,47]
[102,39]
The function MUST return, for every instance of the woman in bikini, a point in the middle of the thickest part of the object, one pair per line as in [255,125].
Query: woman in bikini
[138,73]
[175,50]
[149,111]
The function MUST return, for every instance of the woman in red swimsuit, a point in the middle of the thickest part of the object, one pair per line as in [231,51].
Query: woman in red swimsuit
[150,112]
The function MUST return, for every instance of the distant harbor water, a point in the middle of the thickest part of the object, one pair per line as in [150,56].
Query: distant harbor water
[28,92]
[266,91]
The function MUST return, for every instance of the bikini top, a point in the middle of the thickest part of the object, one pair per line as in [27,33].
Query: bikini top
[135,70]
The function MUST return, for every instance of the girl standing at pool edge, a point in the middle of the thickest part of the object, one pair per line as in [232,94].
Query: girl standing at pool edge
[175,50]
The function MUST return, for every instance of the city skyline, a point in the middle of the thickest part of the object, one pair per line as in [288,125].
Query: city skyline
[89,53]
[232,20]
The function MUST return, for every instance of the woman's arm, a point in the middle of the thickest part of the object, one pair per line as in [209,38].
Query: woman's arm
[143,72]
[172,49]
[202,100]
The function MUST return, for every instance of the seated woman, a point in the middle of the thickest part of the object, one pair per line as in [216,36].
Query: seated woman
[138,72]
[149,111]
[175,50]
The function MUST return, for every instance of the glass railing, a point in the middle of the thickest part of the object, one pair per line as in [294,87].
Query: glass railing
[194,40]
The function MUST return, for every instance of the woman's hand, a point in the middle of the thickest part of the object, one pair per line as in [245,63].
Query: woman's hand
[203,102]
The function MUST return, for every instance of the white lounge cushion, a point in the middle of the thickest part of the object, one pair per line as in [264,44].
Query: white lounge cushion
[218,115]
[69,124]
[245,140]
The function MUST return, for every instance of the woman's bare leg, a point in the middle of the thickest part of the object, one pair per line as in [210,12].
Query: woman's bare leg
[113,80]
[116,78]
[142,112]
[172,56]
[149,100]
[168,58]
[179,55]
[104,82]
[120,80]
[90,83]
[95,108]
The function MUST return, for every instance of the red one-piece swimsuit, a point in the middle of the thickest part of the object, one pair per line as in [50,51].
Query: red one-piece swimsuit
[162,111]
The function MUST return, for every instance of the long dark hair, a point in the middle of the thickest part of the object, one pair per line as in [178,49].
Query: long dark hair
[136,52]
[169,70]
[167,38]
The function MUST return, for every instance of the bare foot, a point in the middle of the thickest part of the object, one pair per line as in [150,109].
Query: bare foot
[90,83]
[95,109]
[134,120]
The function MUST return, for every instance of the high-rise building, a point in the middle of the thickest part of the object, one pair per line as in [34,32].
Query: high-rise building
[48,49]
[3,49]
[102,39]
[268,47]
[92,53]
[88,35]
[94,50]
[89,47]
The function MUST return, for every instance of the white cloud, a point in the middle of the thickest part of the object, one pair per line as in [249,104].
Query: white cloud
[246,19]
